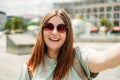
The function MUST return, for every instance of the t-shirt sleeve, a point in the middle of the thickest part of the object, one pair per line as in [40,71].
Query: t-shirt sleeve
[84,55]
[24,75]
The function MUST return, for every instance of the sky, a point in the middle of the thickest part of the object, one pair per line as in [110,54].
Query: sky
[36,7]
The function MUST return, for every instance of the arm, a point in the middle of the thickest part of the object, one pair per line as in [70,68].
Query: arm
[106,59]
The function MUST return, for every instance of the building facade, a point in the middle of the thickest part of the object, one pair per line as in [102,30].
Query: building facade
[110,9]
[3,19]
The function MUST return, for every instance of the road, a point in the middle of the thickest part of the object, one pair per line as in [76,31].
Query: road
[10,65]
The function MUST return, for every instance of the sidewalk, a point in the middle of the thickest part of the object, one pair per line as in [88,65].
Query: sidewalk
[10,65]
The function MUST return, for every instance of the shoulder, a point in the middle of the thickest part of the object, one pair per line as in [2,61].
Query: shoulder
[24,74]
[84,51]
[84,54]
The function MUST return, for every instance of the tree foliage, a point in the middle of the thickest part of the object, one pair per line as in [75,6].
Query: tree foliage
[105,22]
[7,25]
[17,24]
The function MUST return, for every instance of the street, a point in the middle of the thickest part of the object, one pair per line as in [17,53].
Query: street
[10,65]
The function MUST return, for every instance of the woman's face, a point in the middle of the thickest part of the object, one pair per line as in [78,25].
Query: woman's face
[54,32]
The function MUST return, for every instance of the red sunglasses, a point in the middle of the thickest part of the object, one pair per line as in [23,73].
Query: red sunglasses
[60,27]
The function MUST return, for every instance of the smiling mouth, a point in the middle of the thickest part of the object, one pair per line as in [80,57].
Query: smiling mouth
[54,39]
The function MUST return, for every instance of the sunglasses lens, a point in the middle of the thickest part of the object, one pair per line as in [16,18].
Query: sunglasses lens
[61,28]
[48,26]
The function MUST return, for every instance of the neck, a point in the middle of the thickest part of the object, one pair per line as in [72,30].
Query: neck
[53,54]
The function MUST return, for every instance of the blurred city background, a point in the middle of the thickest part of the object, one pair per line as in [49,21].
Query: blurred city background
[96,24]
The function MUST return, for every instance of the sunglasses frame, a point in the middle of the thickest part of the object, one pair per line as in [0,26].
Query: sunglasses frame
[60,30]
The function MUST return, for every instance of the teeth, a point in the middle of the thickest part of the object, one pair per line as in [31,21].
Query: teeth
[54,39]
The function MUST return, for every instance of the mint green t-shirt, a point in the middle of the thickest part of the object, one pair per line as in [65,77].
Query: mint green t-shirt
[50,64]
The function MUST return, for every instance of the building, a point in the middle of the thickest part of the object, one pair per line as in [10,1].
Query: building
[94,8]
[3,19]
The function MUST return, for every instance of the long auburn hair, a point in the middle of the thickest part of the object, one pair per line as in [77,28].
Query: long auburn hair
[66,55]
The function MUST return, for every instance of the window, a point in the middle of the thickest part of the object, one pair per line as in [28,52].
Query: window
[116,0]
[109,8]
[95,10]
[116,8]
[88,10]
[88,2]
[101,15]
[109,1]
[116,15]
[102,1]
[101,9]
[116,23]
[95,1]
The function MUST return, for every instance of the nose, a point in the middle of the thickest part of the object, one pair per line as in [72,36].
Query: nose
[55,30]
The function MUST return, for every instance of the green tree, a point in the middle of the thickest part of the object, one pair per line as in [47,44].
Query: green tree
[103,21]
[7,25]
[106,23]
[17,24]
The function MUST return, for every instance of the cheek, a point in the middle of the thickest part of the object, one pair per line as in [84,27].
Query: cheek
[64,36]
[45,35]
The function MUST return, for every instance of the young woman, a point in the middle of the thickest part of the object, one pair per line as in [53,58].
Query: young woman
[53,54]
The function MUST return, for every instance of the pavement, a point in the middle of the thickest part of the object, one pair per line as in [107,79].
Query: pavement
[10,64]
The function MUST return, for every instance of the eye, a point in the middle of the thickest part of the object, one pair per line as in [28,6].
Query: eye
[61,28]
[48,26]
